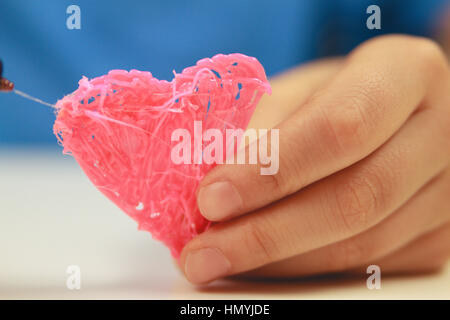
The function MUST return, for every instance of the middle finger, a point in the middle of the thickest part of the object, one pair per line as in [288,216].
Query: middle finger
[330,210]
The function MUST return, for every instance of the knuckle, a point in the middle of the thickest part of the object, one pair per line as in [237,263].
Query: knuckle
[441,118]
[425,49]
[350,124]
[430,53]
[261,242]
[357,199]
[276,184]
[287,179]
[275,181]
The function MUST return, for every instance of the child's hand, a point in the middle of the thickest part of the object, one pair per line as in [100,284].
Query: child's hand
[363,175]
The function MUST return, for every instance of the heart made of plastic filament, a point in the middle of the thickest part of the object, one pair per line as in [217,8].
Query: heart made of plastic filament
[119,127]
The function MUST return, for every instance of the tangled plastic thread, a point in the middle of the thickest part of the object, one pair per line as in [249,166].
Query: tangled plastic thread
[119,126]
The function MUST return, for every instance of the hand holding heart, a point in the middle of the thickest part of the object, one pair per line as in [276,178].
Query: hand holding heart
[363,176]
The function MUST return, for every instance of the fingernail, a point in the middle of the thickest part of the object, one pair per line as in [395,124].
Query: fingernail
[219,200]
[205,264]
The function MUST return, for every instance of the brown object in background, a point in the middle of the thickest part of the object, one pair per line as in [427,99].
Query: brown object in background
[5,84]
[442,30]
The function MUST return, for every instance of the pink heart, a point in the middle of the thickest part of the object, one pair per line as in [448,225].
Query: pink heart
[119,128]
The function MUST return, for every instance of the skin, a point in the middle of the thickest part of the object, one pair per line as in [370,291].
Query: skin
[364,172]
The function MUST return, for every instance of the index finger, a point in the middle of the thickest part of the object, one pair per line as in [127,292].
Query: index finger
[365,103]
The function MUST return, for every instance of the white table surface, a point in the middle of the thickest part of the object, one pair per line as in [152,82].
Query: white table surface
[51,217]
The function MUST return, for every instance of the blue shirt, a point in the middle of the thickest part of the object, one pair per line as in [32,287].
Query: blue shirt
[45,59]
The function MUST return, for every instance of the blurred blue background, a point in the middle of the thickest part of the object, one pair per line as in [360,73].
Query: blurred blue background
[46,60]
